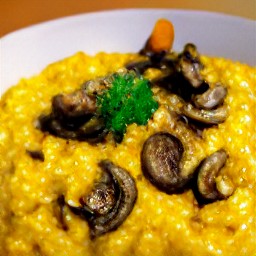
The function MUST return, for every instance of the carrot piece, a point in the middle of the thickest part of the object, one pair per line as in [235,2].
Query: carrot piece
[162,36]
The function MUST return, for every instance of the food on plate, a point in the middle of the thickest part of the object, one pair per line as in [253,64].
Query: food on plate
[147,153]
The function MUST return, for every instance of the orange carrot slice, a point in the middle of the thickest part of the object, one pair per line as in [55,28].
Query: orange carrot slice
[162,36]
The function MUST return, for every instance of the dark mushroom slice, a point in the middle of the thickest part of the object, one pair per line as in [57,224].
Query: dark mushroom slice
[140,66]
[177,77]
[75,116]
[72,109]
[74,105]
[190,66]
[110,202]
[92,131]
[161,61]
[210,117]
[161,160]
[207,174]
[212,98]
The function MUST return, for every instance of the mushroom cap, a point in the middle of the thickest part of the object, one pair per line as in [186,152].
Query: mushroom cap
[160,158]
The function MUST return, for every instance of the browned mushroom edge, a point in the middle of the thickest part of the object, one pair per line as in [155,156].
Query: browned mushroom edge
[110,202]
[206,189]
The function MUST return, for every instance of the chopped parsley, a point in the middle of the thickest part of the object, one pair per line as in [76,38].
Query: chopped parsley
[129,100]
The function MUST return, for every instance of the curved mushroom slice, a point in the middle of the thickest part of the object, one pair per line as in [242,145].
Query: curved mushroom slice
[92,131]
[127,196]
[211,117]
[72,109]
[75,116]
[110,202]
[212,98]
[161,162]
[206,180]
[190,66]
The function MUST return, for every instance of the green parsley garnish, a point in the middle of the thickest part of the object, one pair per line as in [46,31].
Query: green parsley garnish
[129,100]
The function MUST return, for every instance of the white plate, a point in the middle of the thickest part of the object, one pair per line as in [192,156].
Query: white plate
[27,51]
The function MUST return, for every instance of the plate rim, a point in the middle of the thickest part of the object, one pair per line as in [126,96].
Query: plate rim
[127,10]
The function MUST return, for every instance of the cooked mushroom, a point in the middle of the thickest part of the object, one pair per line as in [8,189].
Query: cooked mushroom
[211,117]
[208,172]
[161,162]
[92,131]
[140,66]
[180,74]
[212,98]
[72,109]
[110,202]
[76,115]
[190,66]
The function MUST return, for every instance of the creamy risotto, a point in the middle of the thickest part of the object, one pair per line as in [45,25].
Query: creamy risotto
[178,181]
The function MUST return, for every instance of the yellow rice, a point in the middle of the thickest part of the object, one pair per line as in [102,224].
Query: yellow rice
[160,224]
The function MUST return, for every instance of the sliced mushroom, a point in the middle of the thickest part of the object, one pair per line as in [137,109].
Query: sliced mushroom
[140,66]
[211,117]
[75,116]
[110,202]
[212,98]
[180,74]
[92,131]
[208,172]
[72,109]
[190,66]
[161,162]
